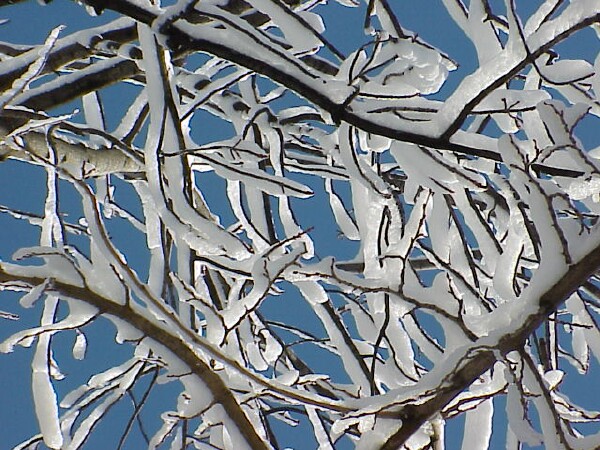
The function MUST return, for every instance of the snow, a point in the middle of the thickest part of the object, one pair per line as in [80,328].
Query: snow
[478,426]
[46,409]
[94,115]
[517,420]
[246,40]
[100,409]
[58,267]
[351,365]
[199,232]
[65,80]
[342,217]
[265,269]
[436,257]
[595,80]
[488,245]
[80,346]
[271,184]
[505,104]
[288,378]
[572,15]
[302,39]
[539,16]
[502,63]
[416,333]
[373,142]
[195,398]
[559,119]
[472,85]
[407,68]
[356,166]
[29,299]
[125,331]
[320,432]
[553,378]
[234,193]
[286,215]
[80,314]
[580,189]
[22,83]
[403,353]
[430,169]
[553,243]
[127,123]
[349,3]
[566,71]
[507,264]
[585,336]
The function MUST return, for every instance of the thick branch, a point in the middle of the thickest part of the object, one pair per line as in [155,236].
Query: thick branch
[76,157]
[219,391]
[180,40]
[413,416]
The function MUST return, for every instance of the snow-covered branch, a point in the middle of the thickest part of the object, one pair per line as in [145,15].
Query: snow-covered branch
[364,245]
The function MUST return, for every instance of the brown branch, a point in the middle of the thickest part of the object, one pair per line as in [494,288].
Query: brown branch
[413,416]
[176,344]
[179,41]
[182,42]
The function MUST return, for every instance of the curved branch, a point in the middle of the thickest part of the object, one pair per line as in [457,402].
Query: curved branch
[220,392]
[181,35]
[475,87]
[484,356]
[68,49]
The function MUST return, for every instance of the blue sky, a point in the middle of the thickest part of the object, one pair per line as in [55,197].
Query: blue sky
[21,186]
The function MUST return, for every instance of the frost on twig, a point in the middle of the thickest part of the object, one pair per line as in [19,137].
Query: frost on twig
[366,247]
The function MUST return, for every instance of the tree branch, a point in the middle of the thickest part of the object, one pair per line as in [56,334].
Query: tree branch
[175,343]
[414,416]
